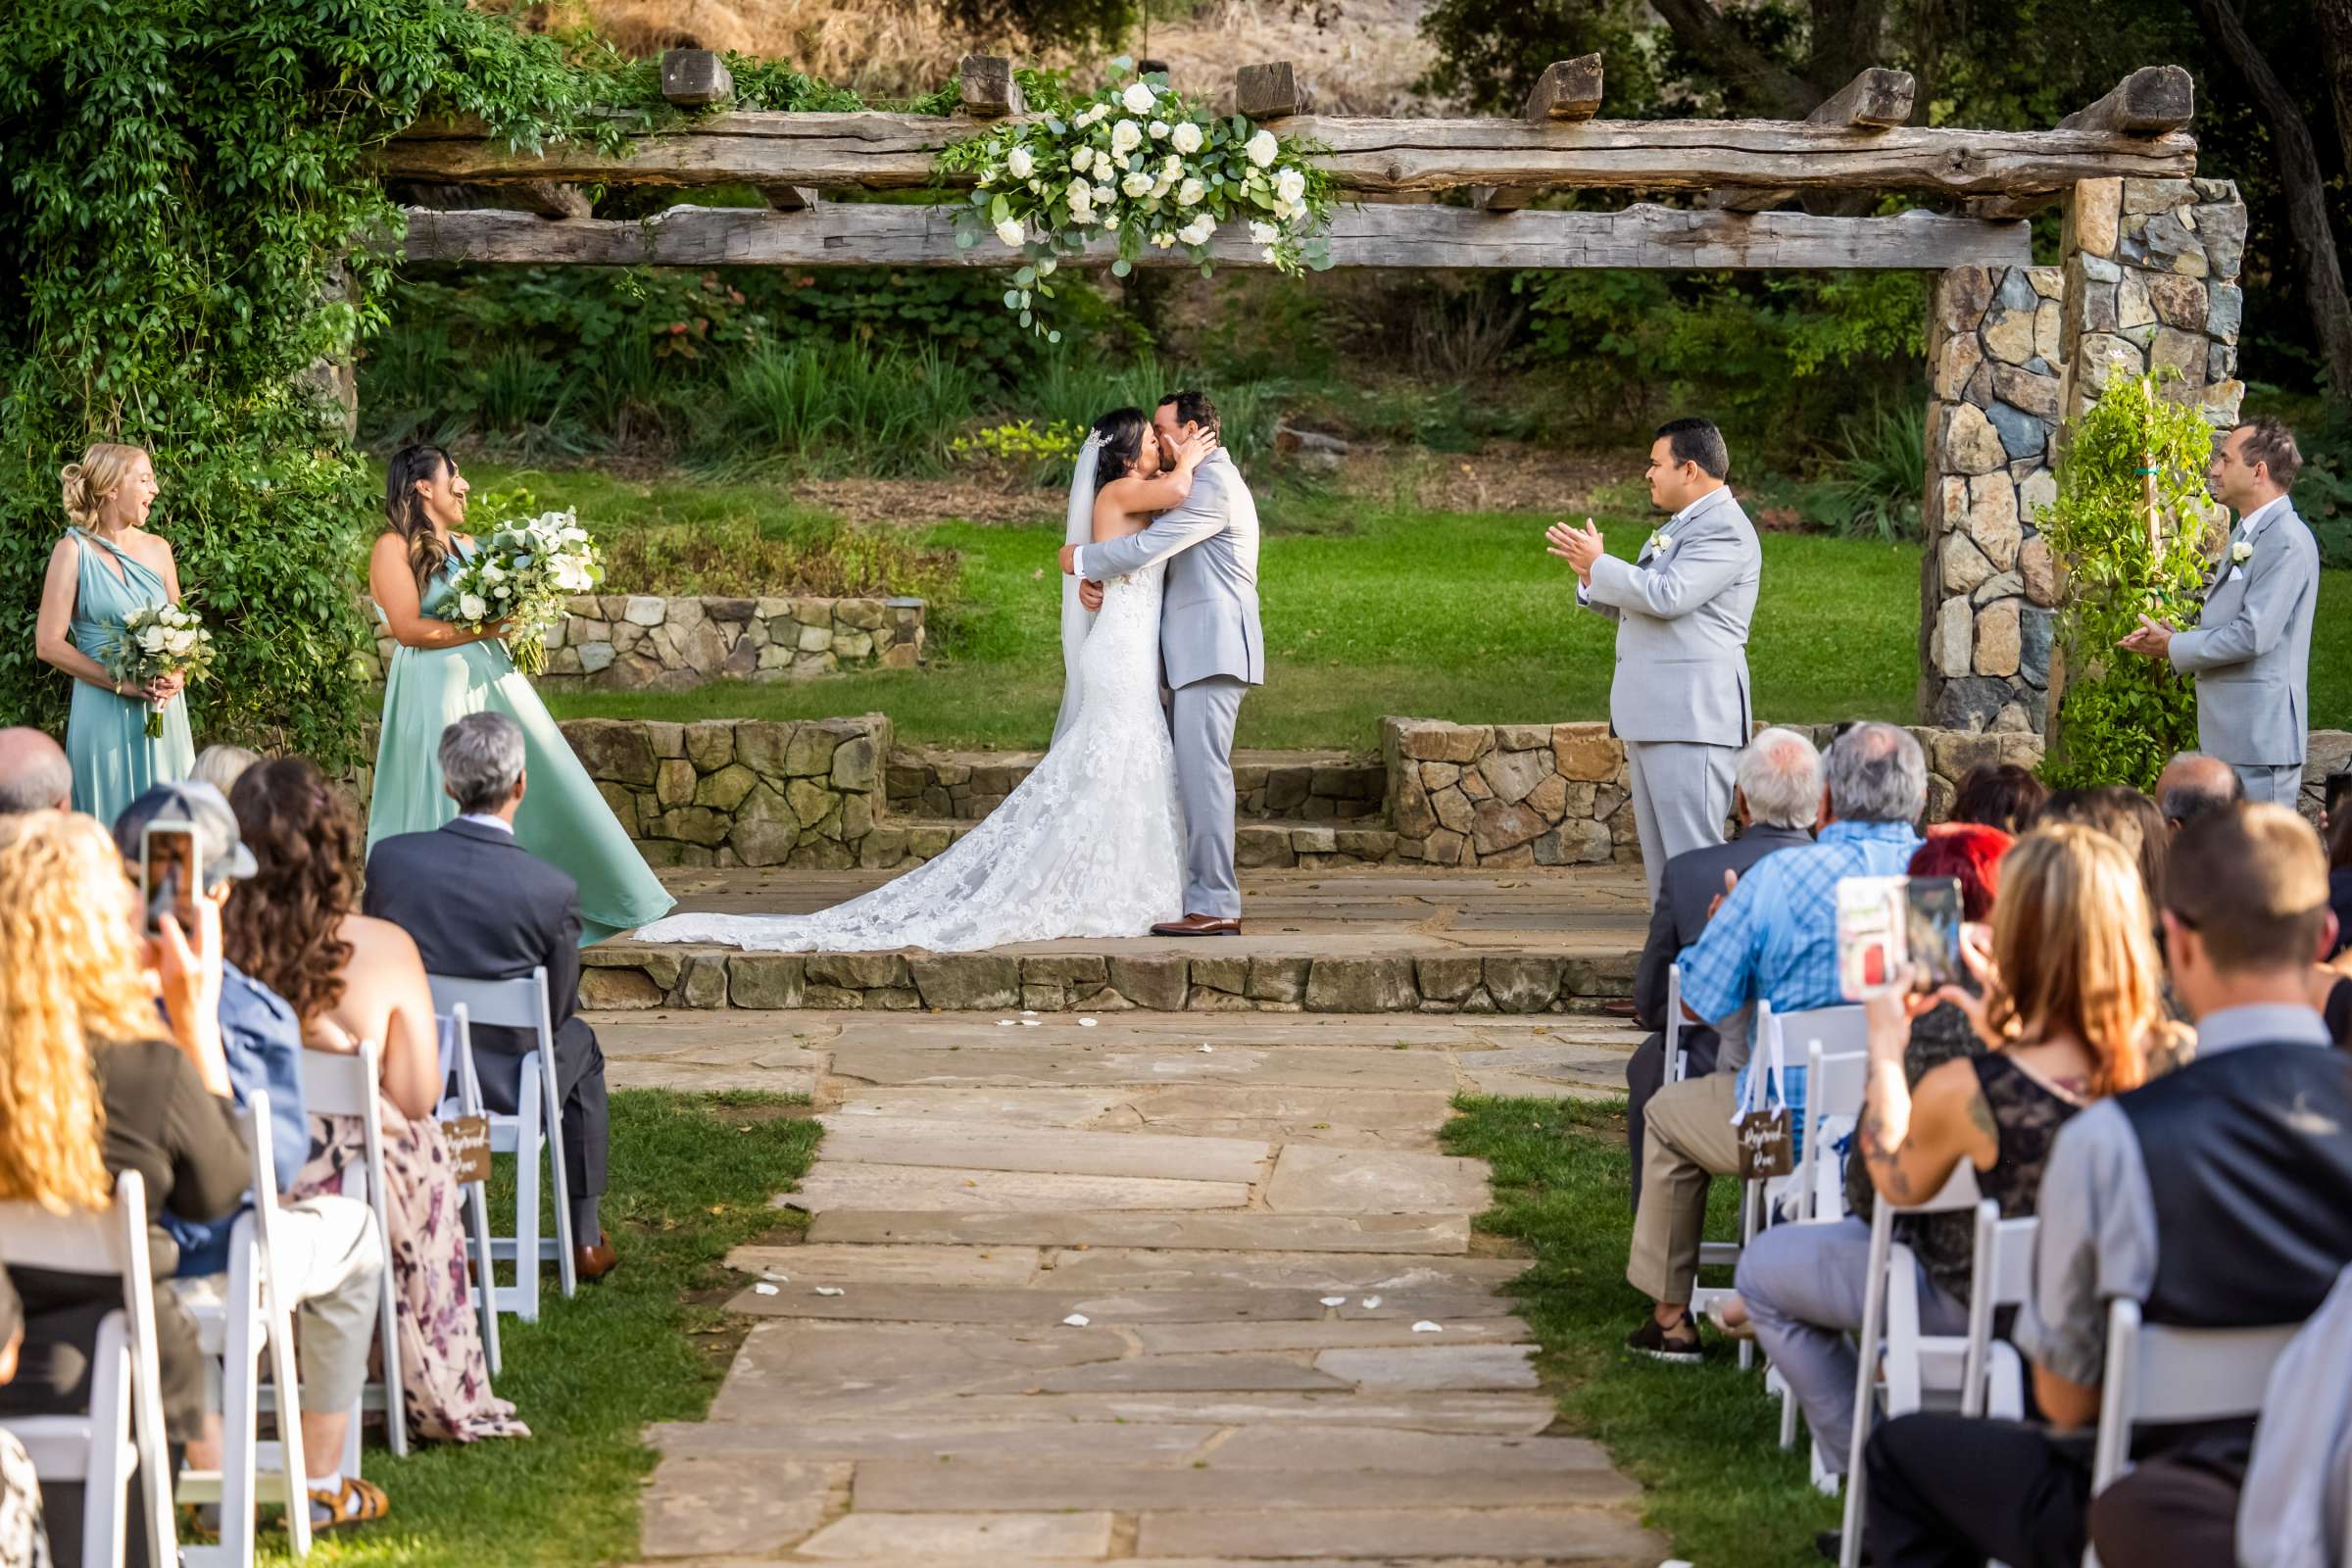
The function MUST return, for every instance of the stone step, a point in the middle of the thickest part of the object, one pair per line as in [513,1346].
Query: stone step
[1312,787]
[1258,842]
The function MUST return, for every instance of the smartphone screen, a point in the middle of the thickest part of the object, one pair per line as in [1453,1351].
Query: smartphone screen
[1889,924]
[1931,918]
[167,874]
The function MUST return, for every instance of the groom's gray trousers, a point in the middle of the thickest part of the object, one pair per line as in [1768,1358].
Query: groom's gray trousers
[1200,717]
[1682,793]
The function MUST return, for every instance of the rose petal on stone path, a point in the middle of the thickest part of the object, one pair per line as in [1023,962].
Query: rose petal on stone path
[829,1290]
[1029,1023]
[1076,1320]
[1028,1012]
[1086,1023]
[1371,1301]
[765,1290]
[1005,1023]
[1425,1326]
[1204,1048]
[1334,1301]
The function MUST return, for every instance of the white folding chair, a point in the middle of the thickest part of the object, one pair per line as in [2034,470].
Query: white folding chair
[1834,1089]
[462,1096]
[348,1084]
[254,1318]
[1678,1059]
[1992,1379]
[2158,1374]
[536,1125]
[122,1431]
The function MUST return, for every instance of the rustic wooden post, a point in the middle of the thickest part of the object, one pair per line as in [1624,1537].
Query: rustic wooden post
[1877,99]
[990,92]
[1568,91]
[1269,91]
[2153,101]
[696,78]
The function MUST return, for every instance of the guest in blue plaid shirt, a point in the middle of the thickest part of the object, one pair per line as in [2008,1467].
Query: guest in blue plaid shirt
[1775,940]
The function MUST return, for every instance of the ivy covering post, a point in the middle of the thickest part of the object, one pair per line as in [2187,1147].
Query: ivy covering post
[2132,531]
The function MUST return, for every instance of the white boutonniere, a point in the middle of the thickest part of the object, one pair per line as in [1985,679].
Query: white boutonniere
[1659,543]
[2241,551]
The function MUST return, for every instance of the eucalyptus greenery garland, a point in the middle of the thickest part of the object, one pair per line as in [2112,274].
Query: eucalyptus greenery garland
[1138,162]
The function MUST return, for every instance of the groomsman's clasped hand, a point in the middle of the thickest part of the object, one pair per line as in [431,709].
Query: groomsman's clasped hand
[2154,638]
[1579,547]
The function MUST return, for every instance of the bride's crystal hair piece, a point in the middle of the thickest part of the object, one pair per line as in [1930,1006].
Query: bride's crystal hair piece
[1094,440]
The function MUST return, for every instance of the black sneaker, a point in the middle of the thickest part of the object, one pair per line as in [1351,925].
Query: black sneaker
[1829,1542]
[1677,1344]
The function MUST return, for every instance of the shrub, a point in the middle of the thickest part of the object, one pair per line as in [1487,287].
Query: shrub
[1873,487]
[832,409]
[1021,453]
[2119,717]
[739,558]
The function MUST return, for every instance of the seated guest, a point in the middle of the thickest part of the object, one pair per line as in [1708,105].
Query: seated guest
[483,907]
[2192,784]
[1775,940]
[2125,815]
[23,1539]
[2071,998]
[328,1250]
[1776,792]
[350,978]
[2219,1196]
[33,771]
[222,767]
[90,1087]
[2340,880]
[1992,795]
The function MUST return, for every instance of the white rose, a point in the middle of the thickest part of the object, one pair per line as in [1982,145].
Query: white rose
[490,571]
[1083,159]
[502,591]
[1138,97]
[472,607]
[1137,187]
[1188,193]
[1125,137]
[1291,185]
[2241,551]
[1283,211]
[1186,139]
[1009,231]
[1158,129]
[1263,234]
[152,639]
[1021,163]
[1164,240]
[1261,149]
[1197,231]
[180,642]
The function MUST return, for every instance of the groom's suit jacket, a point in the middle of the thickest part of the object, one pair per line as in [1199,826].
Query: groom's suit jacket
[1208,613]
[1682,618]
[2251,648]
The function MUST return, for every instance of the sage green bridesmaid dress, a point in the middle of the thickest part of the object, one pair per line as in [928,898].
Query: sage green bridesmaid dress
[115,760]
[562,819]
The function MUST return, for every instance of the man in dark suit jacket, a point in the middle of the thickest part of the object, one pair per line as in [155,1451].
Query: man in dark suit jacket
[1777,795]
[483,907]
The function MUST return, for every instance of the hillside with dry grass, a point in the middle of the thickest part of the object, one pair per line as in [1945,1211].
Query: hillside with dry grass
[1357,57]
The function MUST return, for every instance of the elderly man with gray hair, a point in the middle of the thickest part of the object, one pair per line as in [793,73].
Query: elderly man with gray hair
[483,907]
[1775,940]
[1776,795]
[34,773]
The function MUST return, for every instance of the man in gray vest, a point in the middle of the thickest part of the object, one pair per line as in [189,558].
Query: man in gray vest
[2251,648]
[1679,696]
[1211,649]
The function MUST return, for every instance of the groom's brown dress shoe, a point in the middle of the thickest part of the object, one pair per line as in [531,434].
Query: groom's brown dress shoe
[592,1263]
[1198,925]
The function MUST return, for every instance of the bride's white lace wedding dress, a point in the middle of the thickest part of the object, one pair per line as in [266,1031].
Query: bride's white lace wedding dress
[1091,845]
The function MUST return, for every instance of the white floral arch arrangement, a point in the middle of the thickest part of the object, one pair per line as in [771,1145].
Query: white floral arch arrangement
[1136,160]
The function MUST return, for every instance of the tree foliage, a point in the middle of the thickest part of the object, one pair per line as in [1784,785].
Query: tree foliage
[2120,715]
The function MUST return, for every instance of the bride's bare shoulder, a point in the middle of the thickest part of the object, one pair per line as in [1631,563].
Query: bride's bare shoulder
[1113,518]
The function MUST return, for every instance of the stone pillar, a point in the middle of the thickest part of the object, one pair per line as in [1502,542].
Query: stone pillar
[2151,282]
[1986,586]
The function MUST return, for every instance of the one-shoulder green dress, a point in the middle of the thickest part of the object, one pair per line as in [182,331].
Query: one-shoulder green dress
[115,760]
[562,819]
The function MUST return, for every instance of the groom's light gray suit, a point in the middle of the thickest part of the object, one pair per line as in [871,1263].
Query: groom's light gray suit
[1680,696]
[1211,652]
[2251,654]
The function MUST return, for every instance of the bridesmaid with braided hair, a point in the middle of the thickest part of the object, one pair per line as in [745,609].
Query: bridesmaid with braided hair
[440,672]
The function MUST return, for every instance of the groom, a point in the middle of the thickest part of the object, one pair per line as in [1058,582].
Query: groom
[1211,650]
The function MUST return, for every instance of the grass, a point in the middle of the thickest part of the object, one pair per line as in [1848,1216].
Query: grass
[694,1175]
[1702,1439]
[1371,608]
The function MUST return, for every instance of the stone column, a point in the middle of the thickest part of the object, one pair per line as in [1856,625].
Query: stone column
[1986,587]
[2151,282]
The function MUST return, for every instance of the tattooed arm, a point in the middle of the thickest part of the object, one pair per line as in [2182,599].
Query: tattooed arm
[1913,1139]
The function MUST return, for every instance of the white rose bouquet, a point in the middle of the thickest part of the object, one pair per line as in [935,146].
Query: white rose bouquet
[166,640]
[1138,162]
[522,575]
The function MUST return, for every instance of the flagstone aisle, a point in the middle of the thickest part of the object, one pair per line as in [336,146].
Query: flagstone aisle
[1183,1289]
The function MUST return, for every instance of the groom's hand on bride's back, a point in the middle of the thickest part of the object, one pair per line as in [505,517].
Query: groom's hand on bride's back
[1090,594]
[1069,559]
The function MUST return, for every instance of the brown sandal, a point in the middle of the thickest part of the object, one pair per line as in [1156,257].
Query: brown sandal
[355,1502]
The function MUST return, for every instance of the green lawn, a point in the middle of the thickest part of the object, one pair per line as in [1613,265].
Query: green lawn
[1371,608]
[1703,1439]
[692,1177]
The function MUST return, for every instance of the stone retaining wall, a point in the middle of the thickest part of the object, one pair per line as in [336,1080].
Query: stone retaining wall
[1319,787]
[640,642]
[624,977]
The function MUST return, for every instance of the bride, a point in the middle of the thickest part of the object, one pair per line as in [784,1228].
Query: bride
[1092,844]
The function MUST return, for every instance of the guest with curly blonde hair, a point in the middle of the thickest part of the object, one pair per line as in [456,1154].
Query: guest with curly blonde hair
[87,1089]
[107,567]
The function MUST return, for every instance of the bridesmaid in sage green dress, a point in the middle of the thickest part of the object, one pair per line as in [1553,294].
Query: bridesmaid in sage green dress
[106,566]
[440,672]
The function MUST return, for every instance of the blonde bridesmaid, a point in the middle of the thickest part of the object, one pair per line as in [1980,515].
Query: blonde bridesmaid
[105,568]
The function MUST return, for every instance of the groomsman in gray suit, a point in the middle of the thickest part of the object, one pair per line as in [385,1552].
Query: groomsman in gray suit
[2251,648]
[1679,696]
[1210,648]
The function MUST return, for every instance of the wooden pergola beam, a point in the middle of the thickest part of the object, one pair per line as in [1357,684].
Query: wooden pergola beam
[1269,91]
[990,89]
[1569,92]
[1877,99]
[2150,102]
[860,234]
[696,78]
[1366,157]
